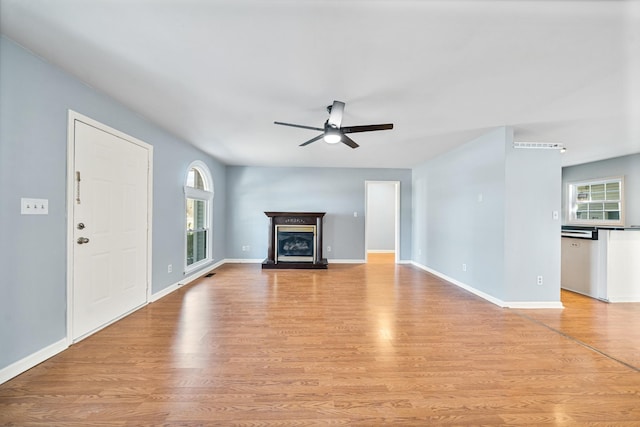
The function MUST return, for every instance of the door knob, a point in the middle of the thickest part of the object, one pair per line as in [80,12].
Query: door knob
[82,240]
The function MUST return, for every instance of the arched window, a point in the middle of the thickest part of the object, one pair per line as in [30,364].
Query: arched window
[198,191]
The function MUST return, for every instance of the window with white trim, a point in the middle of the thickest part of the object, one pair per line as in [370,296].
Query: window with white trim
[597,202]
[198,192]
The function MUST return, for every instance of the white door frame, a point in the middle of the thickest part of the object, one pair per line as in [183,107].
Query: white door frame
[71,192]
[397,218]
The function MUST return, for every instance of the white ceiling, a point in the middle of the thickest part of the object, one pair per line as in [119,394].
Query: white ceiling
[217,73]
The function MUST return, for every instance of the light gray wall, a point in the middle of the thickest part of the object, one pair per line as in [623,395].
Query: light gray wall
[472,206]
[532,235]
[455,228]
[34,103]
[381,211]
[627,166]
[337,191]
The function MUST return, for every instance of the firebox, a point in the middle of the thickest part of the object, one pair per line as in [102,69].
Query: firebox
[296,243]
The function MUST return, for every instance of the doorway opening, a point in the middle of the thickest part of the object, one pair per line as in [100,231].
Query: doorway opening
[382,221]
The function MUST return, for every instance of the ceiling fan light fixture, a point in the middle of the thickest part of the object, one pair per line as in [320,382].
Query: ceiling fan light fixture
[332,137]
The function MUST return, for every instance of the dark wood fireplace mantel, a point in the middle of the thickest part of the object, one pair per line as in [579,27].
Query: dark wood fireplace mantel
[295,219]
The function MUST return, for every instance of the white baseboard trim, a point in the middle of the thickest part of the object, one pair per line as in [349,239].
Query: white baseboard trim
[464,286]
[491,299]
[198,274]
[346,261]
[535,304]
[405,261]
[243,260]
[163,293]
[623,299]
[184,281]
[32,360]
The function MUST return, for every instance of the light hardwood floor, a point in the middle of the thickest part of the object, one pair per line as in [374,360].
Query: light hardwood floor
[381,258]
[364,345]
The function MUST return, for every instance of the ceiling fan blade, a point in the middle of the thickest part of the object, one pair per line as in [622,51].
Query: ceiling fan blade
[312,140]
[298,126]
[335,116]
[366,128]
[348,141]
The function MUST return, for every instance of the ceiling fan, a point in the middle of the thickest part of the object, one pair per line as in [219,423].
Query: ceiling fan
[332,133]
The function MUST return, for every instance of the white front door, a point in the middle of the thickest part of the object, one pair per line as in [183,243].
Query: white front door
[110,222]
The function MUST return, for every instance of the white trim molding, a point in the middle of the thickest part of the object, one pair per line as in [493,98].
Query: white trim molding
[72,117]
[534,304]
[32,360]
[184,281]
[346,261]
[205,195]
[243,260]
[397,215]
[491,299]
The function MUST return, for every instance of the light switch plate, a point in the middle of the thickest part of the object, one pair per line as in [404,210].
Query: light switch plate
[34,206]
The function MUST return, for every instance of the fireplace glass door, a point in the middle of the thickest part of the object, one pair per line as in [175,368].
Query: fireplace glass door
[296,243]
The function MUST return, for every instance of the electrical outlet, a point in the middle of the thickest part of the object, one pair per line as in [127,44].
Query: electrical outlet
[245,248]
[328,248]
[539,280]
[355,214]
[34,206]
[169,268]
[464,267]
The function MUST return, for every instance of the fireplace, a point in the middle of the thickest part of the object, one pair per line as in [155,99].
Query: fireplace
[295,240]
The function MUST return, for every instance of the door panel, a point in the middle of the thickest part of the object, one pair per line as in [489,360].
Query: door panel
[110,270]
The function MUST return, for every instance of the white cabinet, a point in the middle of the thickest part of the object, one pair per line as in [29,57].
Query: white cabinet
[607,268]
[580,266]
[620,265]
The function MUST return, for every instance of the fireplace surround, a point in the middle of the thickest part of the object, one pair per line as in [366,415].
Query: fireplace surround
[295,240]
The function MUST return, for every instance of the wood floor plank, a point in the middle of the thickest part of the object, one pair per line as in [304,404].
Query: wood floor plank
[359,345]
